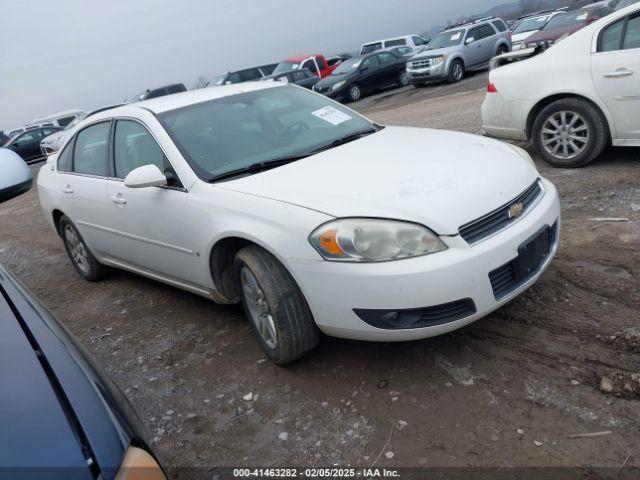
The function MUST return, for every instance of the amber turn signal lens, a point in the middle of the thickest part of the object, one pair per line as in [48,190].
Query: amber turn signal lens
[139,465]
[329,241]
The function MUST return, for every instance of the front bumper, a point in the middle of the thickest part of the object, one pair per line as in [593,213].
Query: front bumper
[337,94]
[334,290]
[428,74]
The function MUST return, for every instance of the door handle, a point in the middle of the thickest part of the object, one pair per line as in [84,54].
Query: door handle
[67,189]
[118,199]
[621,72]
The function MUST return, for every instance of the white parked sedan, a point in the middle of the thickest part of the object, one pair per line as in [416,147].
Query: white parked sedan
[577,97]
[314,217]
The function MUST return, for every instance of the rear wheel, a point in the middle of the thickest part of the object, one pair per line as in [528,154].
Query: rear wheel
[569,133]
[275,306]
[355,92]
[502,49]
[456,71]
[81,257]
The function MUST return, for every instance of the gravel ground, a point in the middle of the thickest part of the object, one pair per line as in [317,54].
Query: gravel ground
[509,390]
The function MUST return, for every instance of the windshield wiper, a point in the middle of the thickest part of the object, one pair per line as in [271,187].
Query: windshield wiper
[260,166]
[342,140]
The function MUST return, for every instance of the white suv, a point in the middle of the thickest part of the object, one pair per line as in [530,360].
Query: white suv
[415,42]
[314,217]
[575,98]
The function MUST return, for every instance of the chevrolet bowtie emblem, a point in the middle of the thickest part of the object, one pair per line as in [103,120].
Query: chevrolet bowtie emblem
[515,210]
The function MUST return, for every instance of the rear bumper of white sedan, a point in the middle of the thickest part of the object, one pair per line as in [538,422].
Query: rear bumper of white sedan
[438,293]
[505,119]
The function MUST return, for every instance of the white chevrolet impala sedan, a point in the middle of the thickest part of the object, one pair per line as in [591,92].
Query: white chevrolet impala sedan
[312,216]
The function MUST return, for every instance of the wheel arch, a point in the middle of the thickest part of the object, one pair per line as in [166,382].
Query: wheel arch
[57,215]
[538,107]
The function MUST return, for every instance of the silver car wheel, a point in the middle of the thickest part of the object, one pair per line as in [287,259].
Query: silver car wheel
[565,135]
[77,249]
[258,308]
[404,79]
[355,93]
[457,71]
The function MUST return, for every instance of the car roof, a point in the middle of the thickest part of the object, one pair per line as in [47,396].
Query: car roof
[390,39]
[299,58]
[184,99]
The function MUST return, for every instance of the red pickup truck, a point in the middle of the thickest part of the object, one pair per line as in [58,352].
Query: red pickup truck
[317,63]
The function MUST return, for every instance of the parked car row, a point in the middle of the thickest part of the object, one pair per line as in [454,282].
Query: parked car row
[575,98]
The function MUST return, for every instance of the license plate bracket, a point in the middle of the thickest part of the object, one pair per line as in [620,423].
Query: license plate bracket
[532,254]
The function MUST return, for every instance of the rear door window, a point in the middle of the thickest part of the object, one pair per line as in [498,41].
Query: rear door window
[632,34]
[486,31]
[500,26]
[611,37]
[90,150]
[395,43]
[386,58]
[370,47]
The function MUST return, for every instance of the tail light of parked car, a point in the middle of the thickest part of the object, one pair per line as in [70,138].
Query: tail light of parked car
[491,88]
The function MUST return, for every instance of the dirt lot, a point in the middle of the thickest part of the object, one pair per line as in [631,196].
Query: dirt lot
[509,390]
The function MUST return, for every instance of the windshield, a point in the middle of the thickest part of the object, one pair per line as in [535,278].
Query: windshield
[286,67]
[531,24]
[347,66]
[238,131]
[567,20]
[446,39]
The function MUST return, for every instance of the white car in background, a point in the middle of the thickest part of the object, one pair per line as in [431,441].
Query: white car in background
[415,42]
[316,218]
[575,98]
[527,27]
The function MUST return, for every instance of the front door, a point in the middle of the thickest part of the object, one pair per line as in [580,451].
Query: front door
[152,224]
[473,52]
[615,70]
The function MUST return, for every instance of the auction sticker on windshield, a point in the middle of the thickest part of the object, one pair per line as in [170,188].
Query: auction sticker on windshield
[331,115]
[455,36]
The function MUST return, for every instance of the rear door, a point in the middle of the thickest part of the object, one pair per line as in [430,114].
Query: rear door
[615,70]
[369,77]
[82,173]
[389,69]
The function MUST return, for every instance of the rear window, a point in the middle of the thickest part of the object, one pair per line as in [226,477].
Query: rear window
[370,47]
[395,43]
[500,25]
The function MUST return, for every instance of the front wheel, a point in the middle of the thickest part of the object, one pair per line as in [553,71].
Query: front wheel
[569,133]
[355,92]
[275,306]
[81,257]
[403,79]
[456,71]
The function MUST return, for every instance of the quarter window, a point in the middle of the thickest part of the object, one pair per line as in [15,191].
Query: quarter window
[90,151]
[64,159]
[135,147]
[500,26]
[611,37]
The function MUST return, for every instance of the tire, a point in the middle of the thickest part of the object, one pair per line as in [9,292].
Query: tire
[276,309]
[355,93]
[456,71]
[81,257]
[502,49]
[582,138]
[403,79]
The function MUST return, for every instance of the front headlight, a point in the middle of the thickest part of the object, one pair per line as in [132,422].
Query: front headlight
[373,240]
[338,85]
[438,60]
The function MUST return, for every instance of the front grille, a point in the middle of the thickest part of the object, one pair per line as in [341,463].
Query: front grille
[491,223]
[504,280]
[418,317]
[418,64]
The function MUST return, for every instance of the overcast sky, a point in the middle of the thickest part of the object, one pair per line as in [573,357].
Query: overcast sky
[65,54]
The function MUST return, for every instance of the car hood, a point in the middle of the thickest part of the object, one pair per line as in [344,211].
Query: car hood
[553,34]
[519,37]
[435,52]
[438,178]
[333,79]
[55,138]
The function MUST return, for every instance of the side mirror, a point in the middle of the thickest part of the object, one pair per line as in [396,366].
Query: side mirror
[364,69]
[469,40]
[15,178]
[147,176]
[15,144]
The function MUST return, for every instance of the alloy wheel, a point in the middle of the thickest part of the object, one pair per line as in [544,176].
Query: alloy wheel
[457,71]
[355,93]
[77,249]
[258,308]
[565,135]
